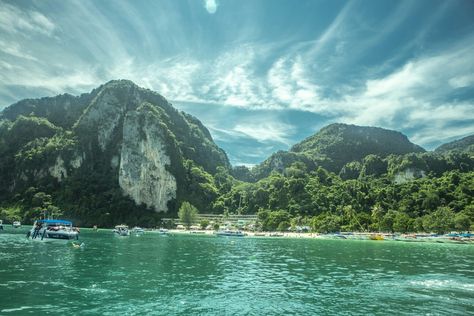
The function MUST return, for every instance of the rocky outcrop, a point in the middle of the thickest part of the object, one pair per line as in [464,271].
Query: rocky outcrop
[104,115]
[408,174]
[143,173]
[58,170]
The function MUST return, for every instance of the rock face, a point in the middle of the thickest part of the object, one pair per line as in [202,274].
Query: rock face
[132,139]
[408,175]
[143,173]
[58,170]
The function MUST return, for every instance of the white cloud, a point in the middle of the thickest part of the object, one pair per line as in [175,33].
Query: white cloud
[250,75]
[462,81]
[332,32]
[16,21]
[292,87]
[211,6]
[440,134]
[272,131]
[74,81]
[420,85]
[263,130]
[14,49]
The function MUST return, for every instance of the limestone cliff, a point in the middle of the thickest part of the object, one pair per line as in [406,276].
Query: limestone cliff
[119,138]
[143,161]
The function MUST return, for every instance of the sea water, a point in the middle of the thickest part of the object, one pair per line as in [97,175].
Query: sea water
[205,275]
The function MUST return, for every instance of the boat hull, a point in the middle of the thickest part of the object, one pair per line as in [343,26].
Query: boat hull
[230,234]
[42,234]
[122,233]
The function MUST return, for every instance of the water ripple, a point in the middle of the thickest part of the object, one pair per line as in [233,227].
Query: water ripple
[202,275]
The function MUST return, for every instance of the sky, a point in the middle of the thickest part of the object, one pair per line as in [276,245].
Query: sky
[261,75]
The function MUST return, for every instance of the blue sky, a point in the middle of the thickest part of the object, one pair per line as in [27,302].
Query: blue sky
[261,75]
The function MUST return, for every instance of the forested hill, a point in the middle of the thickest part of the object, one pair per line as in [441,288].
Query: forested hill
[465,144]
[124,154]
[342,143]
[336,145]
[116,153]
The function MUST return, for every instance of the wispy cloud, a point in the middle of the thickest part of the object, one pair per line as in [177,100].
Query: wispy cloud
[266,131]
[16,21]
[260,129]
[75,46]
[462,81]
[423,85]
[14,49]
[433,134]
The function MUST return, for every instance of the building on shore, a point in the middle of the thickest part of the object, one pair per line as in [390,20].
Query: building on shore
[234,220]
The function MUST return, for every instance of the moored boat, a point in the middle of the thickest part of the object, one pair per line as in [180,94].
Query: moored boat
[53,229]
[121,230]
[16,224]
[138,230]
[376,237]
[230,233]
[1,224]
[163,231]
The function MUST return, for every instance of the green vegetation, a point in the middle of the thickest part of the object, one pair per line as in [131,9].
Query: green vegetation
[465,144]
[337,144]
[65,160]
[187,214]
[344,177]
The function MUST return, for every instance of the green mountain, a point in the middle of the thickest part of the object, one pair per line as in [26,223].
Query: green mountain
[122,153]
[386,184]
[336,145]
[116,153]
[465,144]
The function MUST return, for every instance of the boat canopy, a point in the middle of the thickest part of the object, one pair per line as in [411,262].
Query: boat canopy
[54,221]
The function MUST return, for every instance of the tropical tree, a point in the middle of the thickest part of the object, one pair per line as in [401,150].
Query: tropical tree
[204,223]
[326,223]
[462,222]
[187,214]
[402,223]
[440,221]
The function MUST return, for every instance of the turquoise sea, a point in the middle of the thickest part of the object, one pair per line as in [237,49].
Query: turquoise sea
[205,275]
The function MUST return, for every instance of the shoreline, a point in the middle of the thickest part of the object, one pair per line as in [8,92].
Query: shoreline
[452,238]
[422,237]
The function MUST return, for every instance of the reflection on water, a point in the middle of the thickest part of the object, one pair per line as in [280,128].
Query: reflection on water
[166,275]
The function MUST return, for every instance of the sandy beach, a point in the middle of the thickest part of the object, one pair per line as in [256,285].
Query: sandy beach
[343,236]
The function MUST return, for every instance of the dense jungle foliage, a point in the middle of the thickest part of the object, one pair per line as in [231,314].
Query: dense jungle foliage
[344,177]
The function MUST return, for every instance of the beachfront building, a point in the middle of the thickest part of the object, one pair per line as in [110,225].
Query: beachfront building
[224,221]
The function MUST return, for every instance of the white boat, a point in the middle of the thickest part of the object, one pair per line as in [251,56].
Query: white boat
[230,233]
[1,224]
[121,230]
[163,231]
[138,230]
[53,229]
[16,224]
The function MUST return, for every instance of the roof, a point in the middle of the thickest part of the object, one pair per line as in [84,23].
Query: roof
[54,221]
